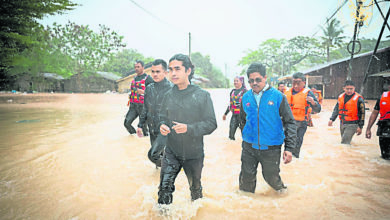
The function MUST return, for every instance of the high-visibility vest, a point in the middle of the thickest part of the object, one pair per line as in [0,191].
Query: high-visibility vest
[135,97]
[384,106]
[235,101]
[298,104]
[348,111]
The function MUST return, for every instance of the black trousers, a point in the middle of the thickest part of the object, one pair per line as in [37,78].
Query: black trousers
[234,124]
[384,144]
[153,156]
[301,130]
[269,160]
[170,168]
[134,111]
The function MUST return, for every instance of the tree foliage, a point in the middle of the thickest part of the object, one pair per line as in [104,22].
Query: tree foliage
[332,36]
[281,57]
[123,61]
[204,67]
[89,50]
[17,22]
[66,50]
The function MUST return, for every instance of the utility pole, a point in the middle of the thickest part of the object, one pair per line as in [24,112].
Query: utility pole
[357,24]
[227,81]
[375,50]
[189,45]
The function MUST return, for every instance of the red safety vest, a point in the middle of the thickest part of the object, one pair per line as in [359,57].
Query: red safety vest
[135,97]
[298,104]
[384,106]
[235,101]
[348,111]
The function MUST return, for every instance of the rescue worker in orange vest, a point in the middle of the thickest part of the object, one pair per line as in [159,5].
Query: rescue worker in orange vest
[351,111]
[136,102]
[300,100]
[234,107]
[382,107]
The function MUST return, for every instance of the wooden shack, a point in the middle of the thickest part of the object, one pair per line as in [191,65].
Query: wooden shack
[330,77]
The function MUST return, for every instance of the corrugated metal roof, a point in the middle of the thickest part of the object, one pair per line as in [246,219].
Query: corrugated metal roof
[381,74]
[321,66]
[285,77]
[132,71]
[53,76]
[108,75]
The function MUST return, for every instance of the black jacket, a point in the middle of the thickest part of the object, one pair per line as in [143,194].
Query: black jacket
[194,107]
[154,95]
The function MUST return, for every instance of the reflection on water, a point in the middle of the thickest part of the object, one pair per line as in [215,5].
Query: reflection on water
[68,156]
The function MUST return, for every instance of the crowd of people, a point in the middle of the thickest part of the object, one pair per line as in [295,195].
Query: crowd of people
[176,115]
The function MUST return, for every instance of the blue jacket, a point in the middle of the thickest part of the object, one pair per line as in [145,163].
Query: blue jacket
[263,126]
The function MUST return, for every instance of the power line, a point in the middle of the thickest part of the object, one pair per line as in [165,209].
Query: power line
[334,13]
[146,11]
[156,17]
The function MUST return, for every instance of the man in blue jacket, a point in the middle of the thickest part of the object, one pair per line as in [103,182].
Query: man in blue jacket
[268,123]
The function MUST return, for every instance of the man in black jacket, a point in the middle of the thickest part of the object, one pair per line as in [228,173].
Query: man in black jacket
[153,97]
[187,114]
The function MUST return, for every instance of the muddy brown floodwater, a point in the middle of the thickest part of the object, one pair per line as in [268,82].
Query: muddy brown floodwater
[68,156]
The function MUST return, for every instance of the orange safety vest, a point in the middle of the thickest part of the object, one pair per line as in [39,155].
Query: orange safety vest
[135,97]
[348,111]
[298,104]
[384,106]
[235,101]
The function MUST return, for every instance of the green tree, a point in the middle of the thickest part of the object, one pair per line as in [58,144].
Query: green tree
[123,61]
[204,67]
[17,22]
[283,56]
[332,36]
[66,50]
[40,57]
[89,50]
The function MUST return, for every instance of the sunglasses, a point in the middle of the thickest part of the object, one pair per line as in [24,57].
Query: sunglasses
[258,80]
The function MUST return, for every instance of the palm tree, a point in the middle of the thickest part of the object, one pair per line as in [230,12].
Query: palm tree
[332,36]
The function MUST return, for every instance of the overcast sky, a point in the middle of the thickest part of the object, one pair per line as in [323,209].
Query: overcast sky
[225,30]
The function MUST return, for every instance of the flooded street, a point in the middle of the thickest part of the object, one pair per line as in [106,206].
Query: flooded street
[68,156]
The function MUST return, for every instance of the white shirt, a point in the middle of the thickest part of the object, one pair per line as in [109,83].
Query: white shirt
[258,96]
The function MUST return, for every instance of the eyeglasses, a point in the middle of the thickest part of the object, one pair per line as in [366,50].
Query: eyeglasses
[258,80]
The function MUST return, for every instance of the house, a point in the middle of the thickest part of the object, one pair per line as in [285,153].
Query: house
[44,82]
[330,77]
[99,82]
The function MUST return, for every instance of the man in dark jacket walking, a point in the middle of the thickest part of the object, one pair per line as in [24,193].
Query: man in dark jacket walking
[268,123]
[153,97]
[187,114]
